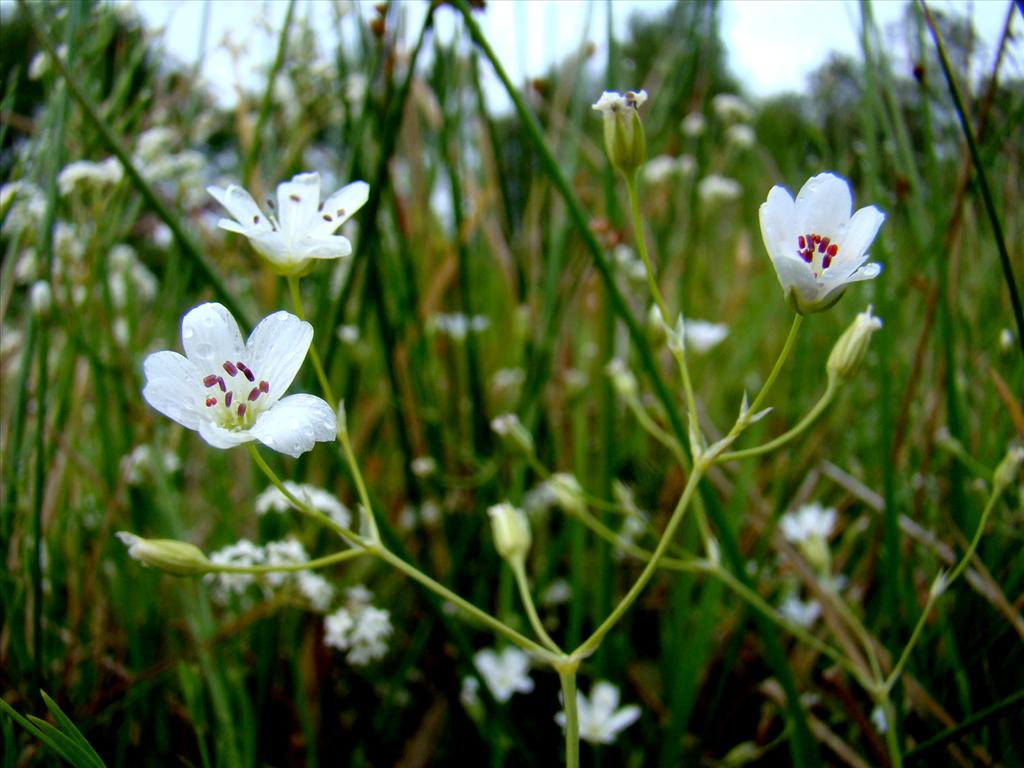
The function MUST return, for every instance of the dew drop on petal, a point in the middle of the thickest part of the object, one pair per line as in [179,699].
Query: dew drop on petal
[205,351]
[187,333]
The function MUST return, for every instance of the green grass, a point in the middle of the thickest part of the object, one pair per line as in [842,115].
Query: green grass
[152,670]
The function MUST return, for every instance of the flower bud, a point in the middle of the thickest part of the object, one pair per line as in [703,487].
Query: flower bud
[1008,469]
[511,429]
[40,297]
[177,557]
[568,492]
[623,380]
[511,531]
[624,138]
[849,351]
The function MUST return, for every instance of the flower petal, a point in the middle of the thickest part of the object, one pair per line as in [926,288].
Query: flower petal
[293,425]
[341,205]
[298,201]
[857,238]
[210,336]
[623,718]
[823,205]
[276,348]
[326,247]
[218,437]
[174,387]
[241,205]
[778,223]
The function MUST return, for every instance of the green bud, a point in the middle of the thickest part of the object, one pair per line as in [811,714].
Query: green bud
[1008,469]
[849,351]
[177,557]
[511,430]
[624,138]
[511,531]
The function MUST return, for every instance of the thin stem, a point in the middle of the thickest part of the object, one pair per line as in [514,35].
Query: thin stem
[357,475]
[890,681]
[298,503]
[891,738]
[787,348]
[519,571]
[480,615]
[309,565]
[823,402]
[567,677]
[641,247]
[325,385]
[591,643]
[659,434]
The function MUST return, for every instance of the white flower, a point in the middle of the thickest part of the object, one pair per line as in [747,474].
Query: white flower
[505,673]
[659,168]
[360,629]
[304,227]
[612,103]
[231,392]
[714,188]
[141,461]
[878,720]
[731,107]
[799,612]
[702,335]
[693,124]
[741,136]
[600,717]
[810,521]
[243,553]
[817,248]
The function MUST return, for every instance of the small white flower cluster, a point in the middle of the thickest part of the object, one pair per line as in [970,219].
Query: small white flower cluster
[359,629]
[85,173]
[662,168]
[22,207]
[139,464]
[457,326]
[715,188]
[313,587]
[802,613]
[272,500]
[629,264]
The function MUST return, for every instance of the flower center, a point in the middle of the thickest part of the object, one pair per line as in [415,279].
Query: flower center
[236,399]
[817,251]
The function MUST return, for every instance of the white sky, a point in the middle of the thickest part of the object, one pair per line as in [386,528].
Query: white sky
[773,44]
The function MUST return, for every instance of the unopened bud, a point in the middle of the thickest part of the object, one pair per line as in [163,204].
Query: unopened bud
[1008,469]
[849,351]
[567,492]
[511,531]
[40,297]
[624,138]
[177,557]
[511,429]
[622,378]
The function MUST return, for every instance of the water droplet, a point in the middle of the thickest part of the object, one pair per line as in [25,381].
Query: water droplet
[205,351]
[187,332]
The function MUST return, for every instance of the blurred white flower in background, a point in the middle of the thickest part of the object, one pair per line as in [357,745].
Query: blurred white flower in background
[600,717]
[505,673]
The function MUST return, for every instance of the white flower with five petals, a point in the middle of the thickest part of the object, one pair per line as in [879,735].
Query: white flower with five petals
[505,673]
[600,717]
[230,391]
[303,228]
[816,246]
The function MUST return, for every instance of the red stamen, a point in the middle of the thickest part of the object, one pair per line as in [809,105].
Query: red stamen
[244,369]
[241,410]
[209,381]
[833,250]
[230,368]
[228,398]
[295,198]
[801,242]
[221,384]
[264,387]
[211,401]
[254,393]
[823,245]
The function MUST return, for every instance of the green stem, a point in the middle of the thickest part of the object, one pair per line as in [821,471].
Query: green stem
[641,247]
[781,440]
[567,677]
[594,641]
[787,348]
[325,385]
[891,737]
[496,625]
[890,681]
[357,475]
[519,571]
[309,565]
[298,503]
